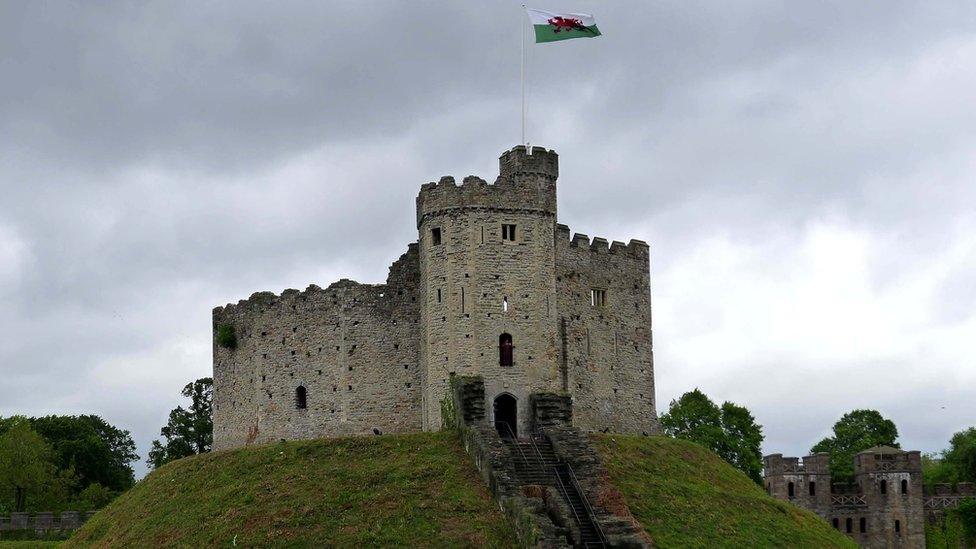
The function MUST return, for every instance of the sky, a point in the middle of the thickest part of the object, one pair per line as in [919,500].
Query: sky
[805,174]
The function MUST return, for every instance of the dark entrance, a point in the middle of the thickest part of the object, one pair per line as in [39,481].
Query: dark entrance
[506,415]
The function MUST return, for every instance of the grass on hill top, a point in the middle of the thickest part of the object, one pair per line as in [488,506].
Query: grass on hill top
[687,496]
[410,490]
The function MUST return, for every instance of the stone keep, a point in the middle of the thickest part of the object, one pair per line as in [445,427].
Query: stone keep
[494,287]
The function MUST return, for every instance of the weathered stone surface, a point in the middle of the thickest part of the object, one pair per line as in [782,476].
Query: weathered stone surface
[882,508]
[378,358]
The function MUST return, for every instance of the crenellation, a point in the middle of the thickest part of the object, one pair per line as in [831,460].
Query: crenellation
[490,263]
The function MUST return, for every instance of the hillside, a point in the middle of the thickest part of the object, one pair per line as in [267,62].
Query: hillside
[351,492]
[686,496]
[396,490]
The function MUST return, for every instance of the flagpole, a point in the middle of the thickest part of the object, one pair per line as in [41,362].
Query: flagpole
[522,70]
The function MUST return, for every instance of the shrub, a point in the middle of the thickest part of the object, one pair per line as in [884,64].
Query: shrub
[226,337]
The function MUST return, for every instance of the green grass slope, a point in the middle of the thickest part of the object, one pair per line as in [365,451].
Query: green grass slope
[686,496]
[411,490]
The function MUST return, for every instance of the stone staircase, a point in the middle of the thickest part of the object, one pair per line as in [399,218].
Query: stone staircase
[536,464]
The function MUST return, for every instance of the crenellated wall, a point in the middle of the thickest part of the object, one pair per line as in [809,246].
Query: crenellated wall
[882,508]
[353,347]
[490,263]
[607,359]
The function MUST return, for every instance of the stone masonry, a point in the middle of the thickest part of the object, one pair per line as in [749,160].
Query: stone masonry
[885,506]
[493,287]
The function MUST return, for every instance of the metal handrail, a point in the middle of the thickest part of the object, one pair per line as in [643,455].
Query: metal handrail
[565,492]
[509,427]
[586,504]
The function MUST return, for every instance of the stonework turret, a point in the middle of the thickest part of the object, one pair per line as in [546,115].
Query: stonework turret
[493,287]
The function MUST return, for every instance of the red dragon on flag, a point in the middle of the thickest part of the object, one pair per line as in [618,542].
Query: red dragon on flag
[566,24]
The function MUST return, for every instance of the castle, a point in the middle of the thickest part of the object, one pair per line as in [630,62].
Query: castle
[494,287]
[886,505]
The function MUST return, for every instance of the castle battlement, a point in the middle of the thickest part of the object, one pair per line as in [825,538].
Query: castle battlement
[525,183]
[492,287]
[962,489]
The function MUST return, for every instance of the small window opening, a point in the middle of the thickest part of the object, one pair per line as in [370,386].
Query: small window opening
[904,486]
[508,232]
[849,525]
[884,486]
[435,236]
[462,300]
[813,488]
[438,295]
[598,297]
[897,526]
[836,524]
[505,350]
[789,490]
[301,398]
[505,304]
[863,526]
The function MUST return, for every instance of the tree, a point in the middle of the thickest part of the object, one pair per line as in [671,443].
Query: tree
[25,462]
[730,431]
[961,455]
[98,452]
[189,431]
[855,432]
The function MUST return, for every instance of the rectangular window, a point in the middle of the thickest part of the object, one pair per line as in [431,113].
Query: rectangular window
[438,295]
[435,236]
[864,525]
[462,300]
[508,232]
[598,297]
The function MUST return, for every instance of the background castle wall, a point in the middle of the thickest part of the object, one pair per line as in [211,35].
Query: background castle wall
[354,347]
[473,271]
[607,361]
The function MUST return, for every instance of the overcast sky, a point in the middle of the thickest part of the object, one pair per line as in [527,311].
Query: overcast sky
[805,173]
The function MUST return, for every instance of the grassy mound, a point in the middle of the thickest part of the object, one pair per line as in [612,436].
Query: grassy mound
[351,492]
[686,496]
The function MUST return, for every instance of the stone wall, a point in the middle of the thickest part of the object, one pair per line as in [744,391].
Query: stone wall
[353,347]
[478,285]
[607,361]
[44,521]
[882,508]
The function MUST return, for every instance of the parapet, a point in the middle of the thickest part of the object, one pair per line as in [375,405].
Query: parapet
[599,245]
[526,183]
[776,464]
[963,489]
[520,161]
[884,459]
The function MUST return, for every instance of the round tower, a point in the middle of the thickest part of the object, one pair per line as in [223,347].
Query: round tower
[487,268]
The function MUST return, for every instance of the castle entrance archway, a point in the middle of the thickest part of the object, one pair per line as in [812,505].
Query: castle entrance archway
[506,415]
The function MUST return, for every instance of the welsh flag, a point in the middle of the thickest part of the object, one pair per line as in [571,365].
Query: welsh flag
[550,27]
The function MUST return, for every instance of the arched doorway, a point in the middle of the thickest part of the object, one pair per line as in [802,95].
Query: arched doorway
[506,415]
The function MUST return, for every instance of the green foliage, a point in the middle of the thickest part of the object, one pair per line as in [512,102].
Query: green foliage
[188,431]
[26,467]
[966,511]
[960,458]
[855,432]
[96,451]
[944,534]
[226,337]
[687,496]
[730,431]
[449,417]
[93,497]
[935,470]
[388,491]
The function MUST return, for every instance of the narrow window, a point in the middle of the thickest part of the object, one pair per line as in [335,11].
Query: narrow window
[884,486]
[897,526]
[505,350]
[863,526]
[789,489]
[836,523]
[598,297]
[849,523]
[482,235]
[435,236]
[508,232]
[462,300]
[301,398]
[438,295]
[813,488]
[505,304]
[904,486]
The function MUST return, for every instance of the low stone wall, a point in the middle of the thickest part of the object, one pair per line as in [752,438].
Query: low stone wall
[44,521]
